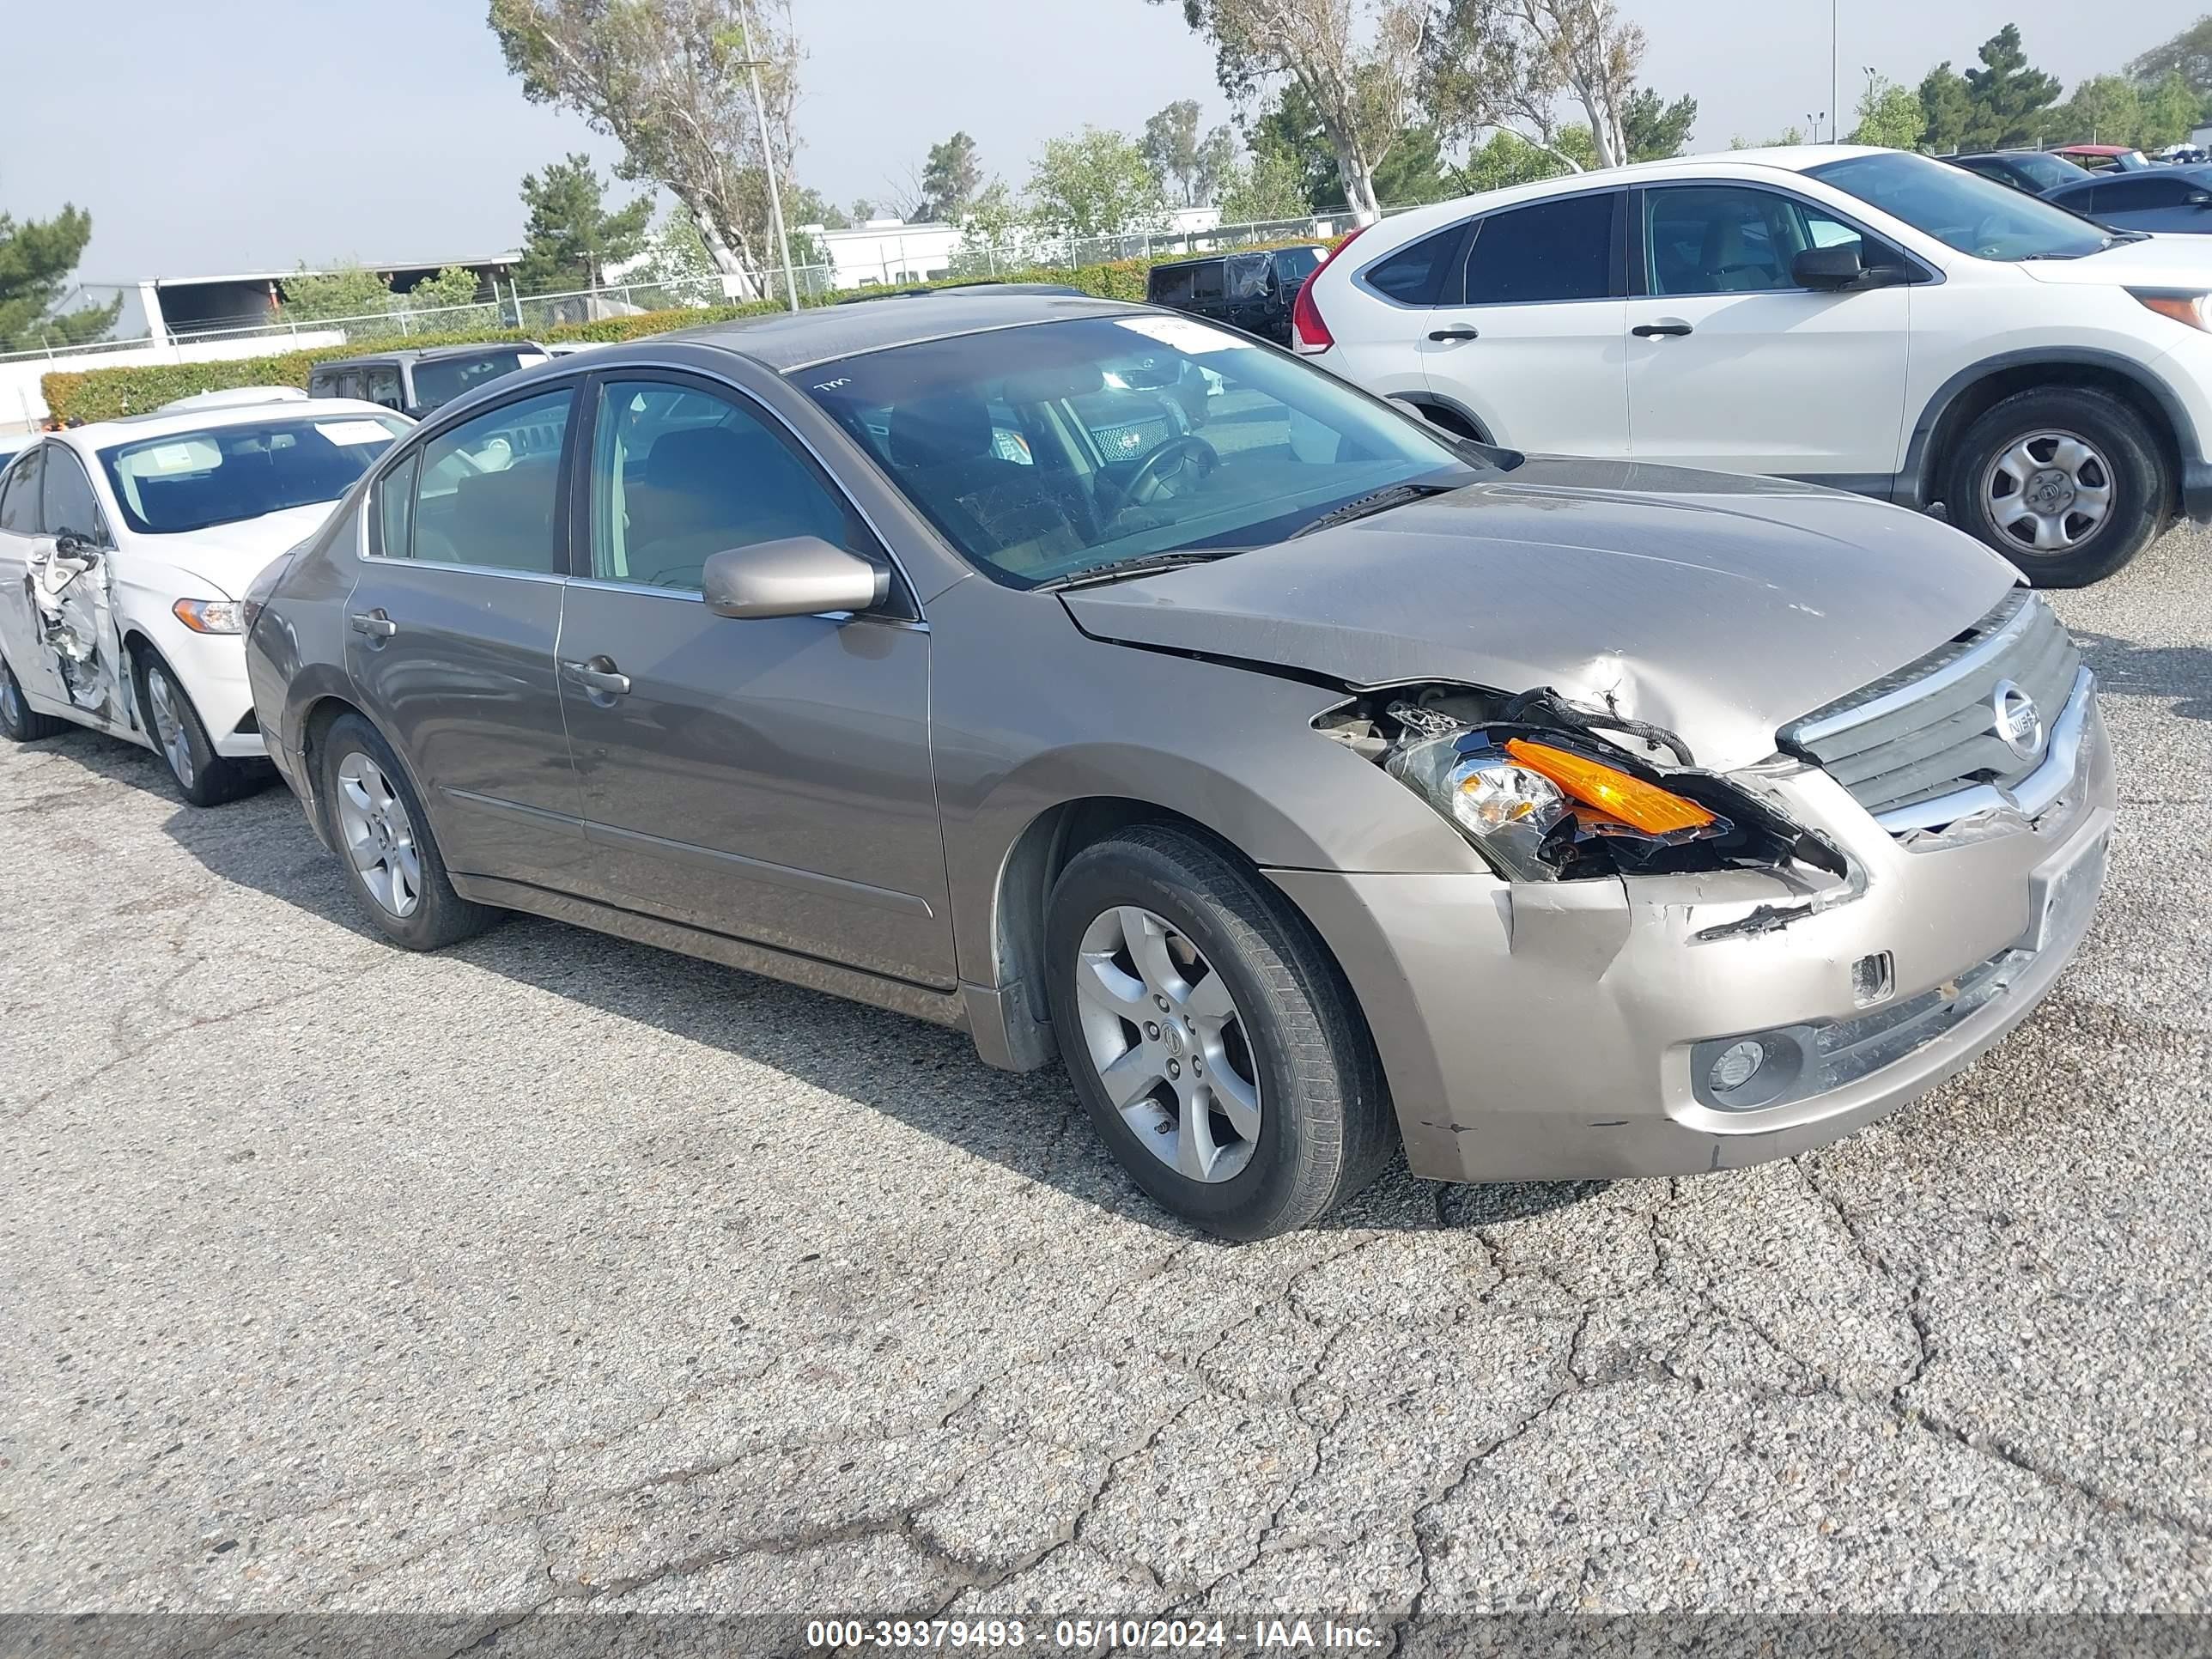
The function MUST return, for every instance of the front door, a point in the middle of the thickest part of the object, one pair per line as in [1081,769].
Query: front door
[767,780]
[1528,336]
[1734,367]
[451,631]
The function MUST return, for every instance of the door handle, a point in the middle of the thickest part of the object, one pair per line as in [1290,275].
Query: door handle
[599,677]
[375,623]
[1454,334]
[1652,331]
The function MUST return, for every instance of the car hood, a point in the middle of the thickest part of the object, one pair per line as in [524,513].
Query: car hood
[228,557]
[2159,261]
[1719,607]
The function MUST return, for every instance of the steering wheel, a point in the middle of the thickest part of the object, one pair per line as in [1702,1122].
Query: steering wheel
[1168,459]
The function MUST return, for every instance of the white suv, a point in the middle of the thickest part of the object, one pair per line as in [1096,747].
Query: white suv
[1865,318]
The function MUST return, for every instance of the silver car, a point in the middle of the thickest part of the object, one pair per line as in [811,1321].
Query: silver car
[1105,683]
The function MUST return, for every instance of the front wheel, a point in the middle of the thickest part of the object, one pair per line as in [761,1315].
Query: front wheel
[1209,1036]
[2067,482]
[204,777]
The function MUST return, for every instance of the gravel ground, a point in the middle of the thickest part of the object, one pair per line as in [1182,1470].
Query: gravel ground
[555,1271]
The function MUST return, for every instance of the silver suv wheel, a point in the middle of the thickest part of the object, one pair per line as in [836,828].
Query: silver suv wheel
[2048,492]
[378,835]
[1167,1044]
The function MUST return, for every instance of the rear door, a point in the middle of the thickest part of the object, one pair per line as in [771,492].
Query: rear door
[1527,332]
[22,539]
[768,780]
[453,626]
[1733,366]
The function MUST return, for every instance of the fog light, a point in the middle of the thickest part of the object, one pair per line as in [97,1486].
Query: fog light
[1738,1064]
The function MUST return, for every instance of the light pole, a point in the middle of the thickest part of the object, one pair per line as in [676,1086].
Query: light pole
[767,154]
[1834,103]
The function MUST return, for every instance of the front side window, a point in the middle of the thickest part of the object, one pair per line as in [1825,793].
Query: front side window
[186,481]
[486,490]
[1293,265]
[1733,238]
[1963,211]
[679,473]
[71,509]
[1557,250]
[1138,435]
[19,496]
[439,382]
[381,385]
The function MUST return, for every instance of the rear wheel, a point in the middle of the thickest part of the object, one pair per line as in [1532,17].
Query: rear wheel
[19,721]
[1209,1036]
[393,862]
[2067,482]
[204,777]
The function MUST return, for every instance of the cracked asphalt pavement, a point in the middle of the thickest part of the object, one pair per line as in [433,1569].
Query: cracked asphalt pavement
[555,1271]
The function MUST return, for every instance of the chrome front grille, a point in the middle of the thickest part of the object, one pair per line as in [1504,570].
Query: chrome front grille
[1974,719]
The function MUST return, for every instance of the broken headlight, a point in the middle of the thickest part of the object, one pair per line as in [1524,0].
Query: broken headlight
[1540,804]
[1542,789]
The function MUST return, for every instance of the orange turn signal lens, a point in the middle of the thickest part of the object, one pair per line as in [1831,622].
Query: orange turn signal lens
[2182,307]
[1644,806]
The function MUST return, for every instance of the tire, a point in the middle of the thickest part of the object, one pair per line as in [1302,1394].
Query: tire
[2054,424]
[412,902]
[202,777]
[1295,1047]
[19,721]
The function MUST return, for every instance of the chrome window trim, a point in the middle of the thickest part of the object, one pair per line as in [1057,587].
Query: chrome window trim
[2032,796]
[1965,664]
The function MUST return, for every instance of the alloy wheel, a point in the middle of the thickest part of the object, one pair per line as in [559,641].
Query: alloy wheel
[378,835]
[2048,492]
[169,725]
[1168,1043]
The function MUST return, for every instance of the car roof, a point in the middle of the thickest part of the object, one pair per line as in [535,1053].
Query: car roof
[1751,165]
[429,353]
[130,427]
[785,340]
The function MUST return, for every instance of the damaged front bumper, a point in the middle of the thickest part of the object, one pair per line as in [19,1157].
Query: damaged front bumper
[1572,1030]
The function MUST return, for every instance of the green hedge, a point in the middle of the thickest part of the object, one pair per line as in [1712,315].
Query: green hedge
[102,394]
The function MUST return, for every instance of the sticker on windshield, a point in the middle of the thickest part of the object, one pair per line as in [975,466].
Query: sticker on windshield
[1183,334]
[353,432]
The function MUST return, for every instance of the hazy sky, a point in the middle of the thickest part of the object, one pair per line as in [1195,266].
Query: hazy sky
[269,133]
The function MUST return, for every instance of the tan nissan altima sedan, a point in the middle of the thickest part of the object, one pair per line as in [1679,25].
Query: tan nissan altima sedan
[1107,684]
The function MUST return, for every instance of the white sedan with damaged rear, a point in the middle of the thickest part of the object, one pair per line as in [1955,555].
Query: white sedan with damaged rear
[125,549]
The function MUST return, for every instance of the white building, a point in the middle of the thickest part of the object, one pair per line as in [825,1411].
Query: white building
[887,252]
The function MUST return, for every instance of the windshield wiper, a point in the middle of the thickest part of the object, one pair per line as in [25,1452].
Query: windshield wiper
[1363,506]
[1143,567]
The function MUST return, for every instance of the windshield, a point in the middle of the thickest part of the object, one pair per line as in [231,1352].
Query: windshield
[439,382]
[184,481]
[1060,448]
[1963,209]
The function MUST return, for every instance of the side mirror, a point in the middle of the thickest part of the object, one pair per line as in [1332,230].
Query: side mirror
[1831,268]
[2198,199]
[799,576]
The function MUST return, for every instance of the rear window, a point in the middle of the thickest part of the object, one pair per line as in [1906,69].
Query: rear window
[439,382]
[1558,250]
[1414,275]
[186,481]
